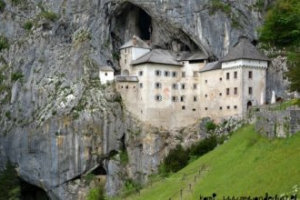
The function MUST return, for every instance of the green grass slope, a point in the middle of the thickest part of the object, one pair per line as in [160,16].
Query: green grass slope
[248,164]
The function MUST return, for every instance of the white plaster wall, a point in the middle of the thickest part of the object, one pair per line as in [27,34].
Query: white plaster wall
[138,52]
[106,76]
[245,62]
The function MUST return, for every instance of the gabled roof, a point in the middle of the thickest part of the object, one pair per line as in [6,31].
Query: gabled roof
[189,56]
[158,56]
[135,42]
[122,78]
[106,68]
[211,66]
[244,50]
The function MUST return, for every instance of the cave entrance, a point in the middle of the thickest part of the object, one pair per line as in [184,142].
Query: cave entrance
[144,24]
[32,192]
[99,171]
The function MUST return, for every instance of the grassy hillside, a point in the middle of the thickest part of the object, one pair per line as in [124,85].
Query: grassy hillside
[248,164]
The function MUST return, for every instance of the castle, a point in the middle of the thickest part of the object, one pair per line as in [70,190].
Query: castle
[173,90]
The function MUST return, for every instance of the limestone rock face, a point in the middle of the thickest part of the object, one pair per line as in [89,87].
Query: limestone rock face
[56,121]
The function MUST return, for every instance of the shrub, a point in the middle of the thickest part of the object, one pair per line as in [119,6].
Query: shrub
[28,25]
[130,187]
[7,114]
[82,35]
[203,146]
[10,184]
[16,76]
[97,193]
[176,159]
[49,15]
[210,126]
[2,5]
[3,42]
[17,2]
[124,157]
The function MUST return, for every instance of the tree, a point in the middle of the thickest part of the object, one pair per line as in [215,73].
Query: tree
[282,31]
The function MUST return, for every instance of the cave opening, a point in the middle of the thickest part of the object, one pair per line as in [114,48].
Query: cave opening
[32,192]
[99,170]
[144,23]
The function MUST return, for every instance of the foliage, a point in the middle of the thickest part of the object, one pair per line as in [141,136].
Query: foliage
[82,35]
[124,157]
[175,160]
[210,126]
[244,166]
[282,31]
[203,146]
[89,177]
[17,2]
[130,187]
[16,76]
[28,25]
[4,44]
[259,5]
[286,104]
[10,185]
[219,5]
[49,15]
[2,5]
[97,193]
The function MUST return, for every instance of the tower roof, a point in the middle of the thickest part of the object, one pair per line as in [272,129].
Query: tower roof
[244,50]
[135,42]
[106,68]
[158,56]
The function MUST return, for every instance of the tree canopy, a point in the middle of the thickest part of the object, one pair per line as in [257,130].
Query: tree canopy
[282,31]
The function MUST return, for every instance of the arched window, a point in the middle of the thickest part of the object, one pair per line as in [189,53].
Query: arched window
[157,85]
[157,72]
[125,72]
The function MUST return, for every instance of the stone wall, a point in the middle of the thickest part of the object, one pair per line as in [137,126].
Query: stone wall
[277,123]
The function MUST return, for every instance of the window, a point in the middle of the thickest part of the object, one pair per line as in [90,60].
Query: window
[194,109]
[220,94]
[175,86]
[105,74]
[220,79]
[174,98]
[206,108]
[183,86]
[125,61]
[174,74]
[227,91]
[122,86]
[141,85]
[140,73]
[183,74]
[194,86]
[250,75]
[167,73]
[227,76]
[183,107]
[182,98]
[158,97]
[235,107]
[157,85]
[195,74]
[228,107]
[250,90]
[195,98]
[205,81]
[235,91]
[220,108]
[157,72]
[205,95]
[235,75]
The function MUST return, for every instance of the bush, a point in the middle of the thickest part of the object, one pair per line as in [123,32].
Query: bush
[176,159]
[124,157]
[210,126]
[2,5]
[130,187]
[49,15]
[28,25]
[3,42]
[97,193]
[16,76]
[10,184]
[203,146]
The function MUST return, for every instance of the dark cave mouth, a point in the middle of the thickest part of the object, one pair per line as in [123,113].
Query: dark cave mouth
[32,192]
[129,19]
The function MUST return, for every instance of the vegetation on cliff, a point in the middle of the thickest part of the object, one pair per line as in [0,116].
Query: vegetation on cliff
[247,164]
[282,31]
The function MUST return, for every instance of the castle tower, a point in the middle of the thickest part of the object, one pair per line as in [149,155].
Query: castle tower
[132,50]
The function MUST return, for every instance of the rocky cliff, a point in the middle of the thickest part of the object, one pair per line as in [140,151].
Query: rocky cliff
[57,122]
